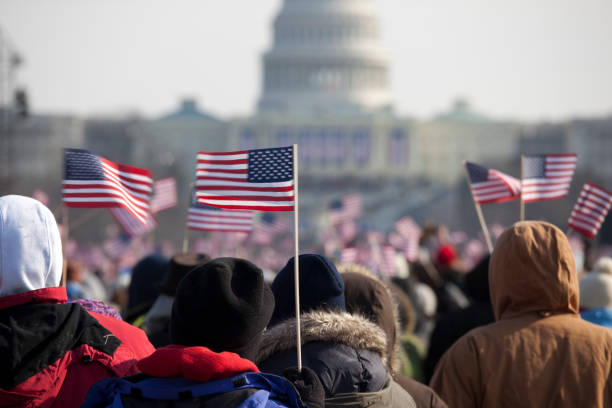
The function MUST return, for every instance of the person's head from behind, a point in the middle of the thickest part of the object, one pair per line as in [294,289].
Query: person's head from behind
[531,270]
[30,246]
[321,287]
[224,305]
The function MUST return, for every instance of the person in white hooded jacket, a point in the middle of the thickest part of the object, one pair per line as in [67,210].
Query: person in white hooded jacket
[52,351]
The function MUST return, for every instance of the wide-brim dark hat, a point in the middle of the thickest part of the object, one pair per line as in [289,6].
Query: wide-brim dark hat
[180,265]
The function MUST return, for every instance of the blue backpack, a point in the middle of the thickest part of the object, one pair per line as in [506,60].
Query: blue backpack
[248,390]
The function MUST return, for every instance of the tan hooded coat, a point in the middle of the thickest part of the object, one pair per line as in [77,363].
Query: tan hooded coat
[538,353]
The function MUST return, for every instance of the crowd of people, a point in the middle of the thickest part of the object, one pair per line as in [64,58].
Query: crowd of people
[523,327]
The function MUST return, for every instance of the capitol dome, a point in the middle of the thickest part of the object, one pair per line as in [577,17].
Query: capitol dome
[326,57]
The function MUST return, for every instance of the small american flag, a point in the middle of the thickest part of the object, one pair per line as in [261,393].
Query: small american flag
[492,186]
[345,209]
[205,218]
[410,234]
[590,210]
[132,225]
[164,195]
[91,181]
[348,255]
[260,179]
[269,226]
[547,176]
[388,266]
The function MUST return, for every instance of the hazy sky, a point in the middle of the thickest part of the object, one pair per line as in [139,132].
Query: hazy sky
[526,59]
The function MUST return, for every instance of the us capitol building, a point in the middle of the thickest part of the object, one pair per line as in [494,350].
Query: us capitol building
[325,86]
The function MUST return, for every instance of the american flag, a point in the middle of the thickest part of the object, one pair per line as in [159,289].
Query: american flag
[164,195]
[132,225]
[268,226]
[410,234]
[492,186]
[348,255]
[201,217]
[260,179]
[347,208]
[547,176]
[92,181]
[590,210]
[387,261]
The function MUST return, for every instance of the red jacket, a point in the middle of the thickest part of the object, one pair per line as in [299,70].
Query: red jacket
[53,352]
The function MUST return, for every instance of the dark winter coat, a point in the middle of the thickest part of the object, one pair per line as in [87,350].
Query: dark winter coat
[348,353]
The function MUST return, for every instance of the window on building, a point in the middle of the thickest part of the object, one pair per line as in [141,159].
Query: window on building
[361,146]
[398,148]
[248,139]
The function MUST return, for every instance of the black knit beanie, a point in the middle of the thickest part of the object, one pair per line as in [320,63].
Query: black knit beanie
[224,305]
[321,287]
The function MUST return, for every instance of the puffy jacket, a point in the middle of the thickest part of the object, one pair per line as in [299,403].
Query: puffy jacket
[539,352]
[348,353]
[52,352]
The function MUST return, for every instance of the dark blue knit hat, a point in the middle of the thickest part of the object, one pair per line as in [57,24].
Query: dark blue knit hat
[321,287]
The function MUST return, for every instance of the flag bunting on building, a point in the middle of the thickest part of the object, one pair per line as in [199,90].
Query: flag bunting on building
[260,179]
[132,225]
[492,186]
[202,217]
[91,181]
[547,176]
[590,210]
[164,195]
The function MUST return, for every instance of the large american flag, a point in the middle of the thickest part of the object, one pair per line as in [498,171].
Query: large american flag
[91,181]
[590,210]
[260,179]
[547,176]
[492,186]
[164,195]
[202,217]
[132,225]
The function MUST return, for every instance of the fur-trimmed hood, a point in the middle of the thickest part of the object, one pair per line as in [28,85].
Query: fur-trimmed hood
[336,327]
[383,311]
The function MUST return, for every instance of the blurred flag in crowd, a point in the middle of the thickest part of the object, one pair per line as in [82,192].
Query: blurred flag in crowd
[348,255]
[260,179]
[268,227]
[91,181]
[132,225]
[547,176]
[164,195]
[345,209]
[41,196]
[202,217]
[590,210]
[409,236]
[492,186]
[387,266]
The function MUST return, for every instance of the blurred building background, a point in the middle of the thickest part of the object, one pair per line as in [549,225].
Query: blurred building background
[325,86]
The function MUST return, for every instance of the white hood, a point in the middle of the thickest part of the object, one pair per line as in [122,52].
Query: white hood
[30,246]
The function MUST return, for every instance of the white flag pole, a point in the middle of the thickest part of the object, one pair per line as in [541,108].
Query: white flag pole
[185,247]
[522,202]
[483,225]
[296,276]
